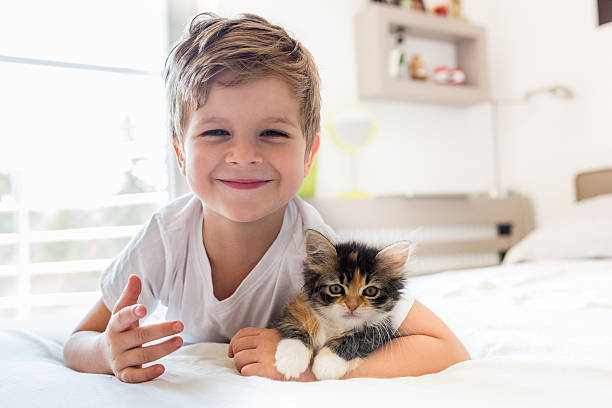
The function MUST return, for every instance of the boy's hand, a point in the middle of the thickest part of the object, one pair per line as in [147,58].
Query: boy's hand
[253,351]
[123,339]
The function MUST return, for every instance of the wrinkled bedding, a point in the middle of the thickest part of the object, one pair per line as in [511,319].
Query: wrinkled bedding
[540,334]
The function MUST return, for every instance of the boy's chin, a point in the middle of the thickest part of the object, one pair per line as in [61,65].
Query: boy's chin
[245,214]
[244,218]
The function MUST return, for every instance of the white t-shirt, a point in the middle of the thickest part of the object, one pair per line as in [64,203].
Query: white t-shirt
[169,256]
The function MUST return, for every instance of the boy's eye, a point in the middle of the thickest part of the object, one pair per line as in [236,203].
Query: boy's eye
[216,132]
[336,289]
[370,291]
[271,132]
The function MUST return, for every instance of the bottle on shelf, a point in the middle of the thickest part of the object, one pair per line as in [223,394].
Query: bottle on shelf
[398,65]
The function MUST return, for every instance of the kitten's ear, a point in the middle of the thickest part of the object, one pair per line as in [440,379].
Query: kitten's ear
[319,249]
[395,256]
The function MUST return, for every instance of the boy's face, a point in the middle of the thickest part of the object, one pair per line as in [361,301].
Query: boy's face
[244,151]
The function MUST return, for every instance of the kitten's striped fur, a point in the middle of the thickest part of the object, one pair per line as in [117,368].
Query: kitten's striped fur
[343,312]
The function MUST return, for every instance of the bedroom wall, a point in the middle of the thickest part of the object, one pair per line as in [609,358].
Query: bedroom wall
[428,148]
[543,144]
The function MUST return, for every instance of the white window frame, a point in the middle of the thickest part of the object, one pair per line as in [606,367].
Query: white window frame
[24,269]
[177,15]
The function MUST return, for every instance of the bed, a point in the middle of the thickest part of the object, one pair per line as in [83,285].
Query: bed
[538,325]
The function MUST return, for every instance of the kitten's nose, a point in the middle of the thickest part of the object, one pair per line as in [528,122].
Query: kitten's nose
[352,306]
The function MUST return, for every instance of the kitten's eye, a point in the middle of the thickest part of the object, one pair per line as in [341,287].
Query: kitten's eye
[336,289]
[370,291]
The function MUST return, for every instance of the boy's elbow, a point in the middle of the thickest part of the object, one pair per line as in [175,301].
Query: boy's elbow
[458,352]
[70,351]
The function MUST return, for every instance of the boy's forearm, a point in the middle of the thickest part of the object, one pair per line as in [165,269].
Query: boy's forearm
[411,356]
[82,352]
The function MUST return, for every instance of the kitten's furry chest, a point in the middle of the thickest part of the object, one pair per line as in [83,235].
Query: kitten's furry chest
[326,331]
[319,329]
[319,338]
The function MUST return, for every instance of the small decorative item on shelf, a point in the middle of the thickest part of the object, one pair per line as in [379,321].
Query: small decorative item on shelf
[440,10]
[441,75]
[417,69]
[449,76]
[457,76]
[418,5]
[392,2]
[455,9]
[398,66]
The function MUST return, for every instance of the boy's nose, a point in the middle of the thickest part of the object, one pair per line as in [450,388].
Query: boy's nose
[243,152]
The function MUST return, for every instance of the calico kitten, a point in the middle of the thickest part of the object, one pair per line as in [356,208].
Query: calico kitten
[344,310]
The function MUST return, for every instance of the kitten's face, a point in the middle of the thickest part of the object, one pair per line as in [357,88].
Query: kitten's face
[352,284]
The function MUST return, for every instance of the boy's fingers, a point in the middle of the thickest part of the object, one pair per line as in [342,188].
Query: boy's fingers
[245,357]
[247,331]
[252,369]
[142,335]
[244,343]
[261,370]
[127,317]
[130,293]
[138,375]
[144,355]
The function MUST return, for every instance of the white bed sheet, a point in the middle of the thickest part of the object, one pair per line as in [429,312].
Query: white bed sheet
[540,334]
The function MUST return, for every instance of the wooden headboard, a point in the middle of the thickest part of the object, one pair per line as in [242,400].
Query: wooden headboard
[593,183]
[509,218]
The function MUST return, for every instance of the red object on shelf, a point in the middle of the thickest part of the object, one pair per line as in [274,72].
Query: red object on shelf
[441,75]
[441,10]
[449,76]
[457,76]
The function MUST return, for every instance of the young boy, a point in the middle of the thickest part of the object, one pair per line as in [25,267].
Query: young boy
[244,116]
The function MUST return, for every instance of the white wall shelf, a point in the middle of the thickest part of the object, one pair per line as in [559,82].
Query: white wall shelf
[373,30]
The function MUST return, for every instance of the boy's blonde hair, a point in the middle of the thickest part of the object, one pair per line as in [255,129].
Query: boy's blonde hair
[249,47]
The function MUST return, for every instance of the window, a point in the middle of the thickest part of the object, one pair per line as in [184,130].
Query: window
[83,162]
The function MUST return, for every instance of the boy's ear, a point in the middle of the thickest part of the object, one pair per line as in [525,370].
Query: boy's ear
[311,156]
[179,158]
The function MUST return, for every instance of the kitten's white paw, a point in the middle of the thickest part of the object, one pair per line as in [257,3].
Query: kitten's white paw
[292,358]
[328,365]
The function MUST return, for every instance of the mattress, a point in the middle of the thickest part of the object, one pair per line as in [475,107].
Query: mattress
[539,334]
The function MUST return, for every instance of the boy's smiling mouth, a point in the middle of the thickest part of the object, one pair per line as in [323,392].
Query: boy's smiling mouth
[244,184]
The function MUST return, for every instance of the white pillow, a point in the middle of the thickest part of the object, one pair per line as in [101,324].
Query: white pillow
[586,232]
